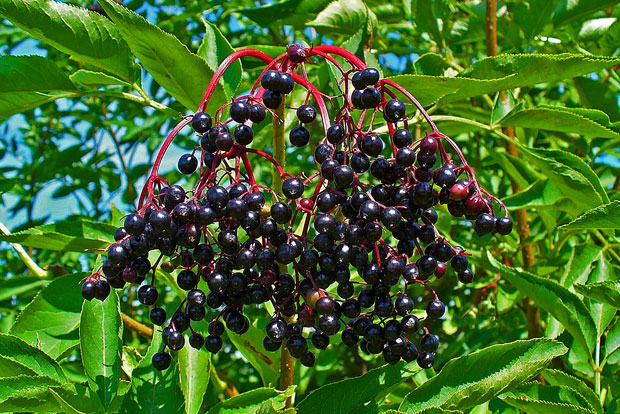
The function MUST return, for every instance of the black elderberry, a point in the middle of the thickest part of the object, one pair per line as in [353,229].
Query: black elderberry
[201,122]
[435,309]
[271,80]
[213,343]
[240,111]
[306,114]
[147,295]
[257,113]
[287,83]
[293,188]
[297,346]
[272,99]
[161,360]
[360,162]
[89,290]
[299,136]
[244,134]
[335,134]
[426,360]
[394,110]
[372,145]
[459,263]
[503,226]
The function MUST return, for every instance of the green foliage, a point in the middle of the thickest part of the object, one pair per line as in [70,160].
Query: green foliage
[85,94]
[471,380]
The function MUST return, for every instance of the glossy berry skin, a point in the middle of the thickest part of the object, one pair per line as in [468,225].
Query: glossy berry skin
[293,188]
[213,343]
[147,295]
[89,290]
[299,136]
[157,316]
[240,111]
[201,122]
[426,360]
[402,138]
[394,110]
[371,97]
[306,114]
[372,145]
[503,226]
[161,361]
[435,309]
[117,254]
[271,80]
[297,346]
[244,134]
[429,343]
[335,133]
[176,340]
[187,163]
[257,113]
[272,99]
[296,53]
[484,224]
[369,76]
[134,224]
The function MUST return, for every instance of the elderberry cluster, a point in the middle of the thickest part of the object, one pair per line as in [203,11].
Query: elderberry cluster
[335,253]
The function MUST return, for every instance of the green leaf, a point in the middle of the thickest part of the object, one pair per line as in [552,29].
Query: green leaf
[535,398]
[147,383]
[571,121]
[427,18]
[342,16]
[250,344]
[296,12]
[329,399]
[78,400]
[194,366]
[183,74]
[542,193]
[15,103]
[101,333]
[493,74]
[14,349]
[430,64]
[51,319]
[571,174]
[268,408]
[602,217]
[18,285]
[12,368]
[32,73]
[472,379]
[563,304]
[90,79]
[67,235]
[595,29]
[533,15]
[604,292]
[601,311]
[556,377]
[598,95]
[214,49]
[612,343]
[249,402]
[7,184]
[576,10]
[27,393]
[84,35]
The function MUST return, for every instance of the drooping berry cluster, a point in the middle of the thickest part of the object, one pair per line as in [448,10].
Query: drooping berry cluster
[336,252]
